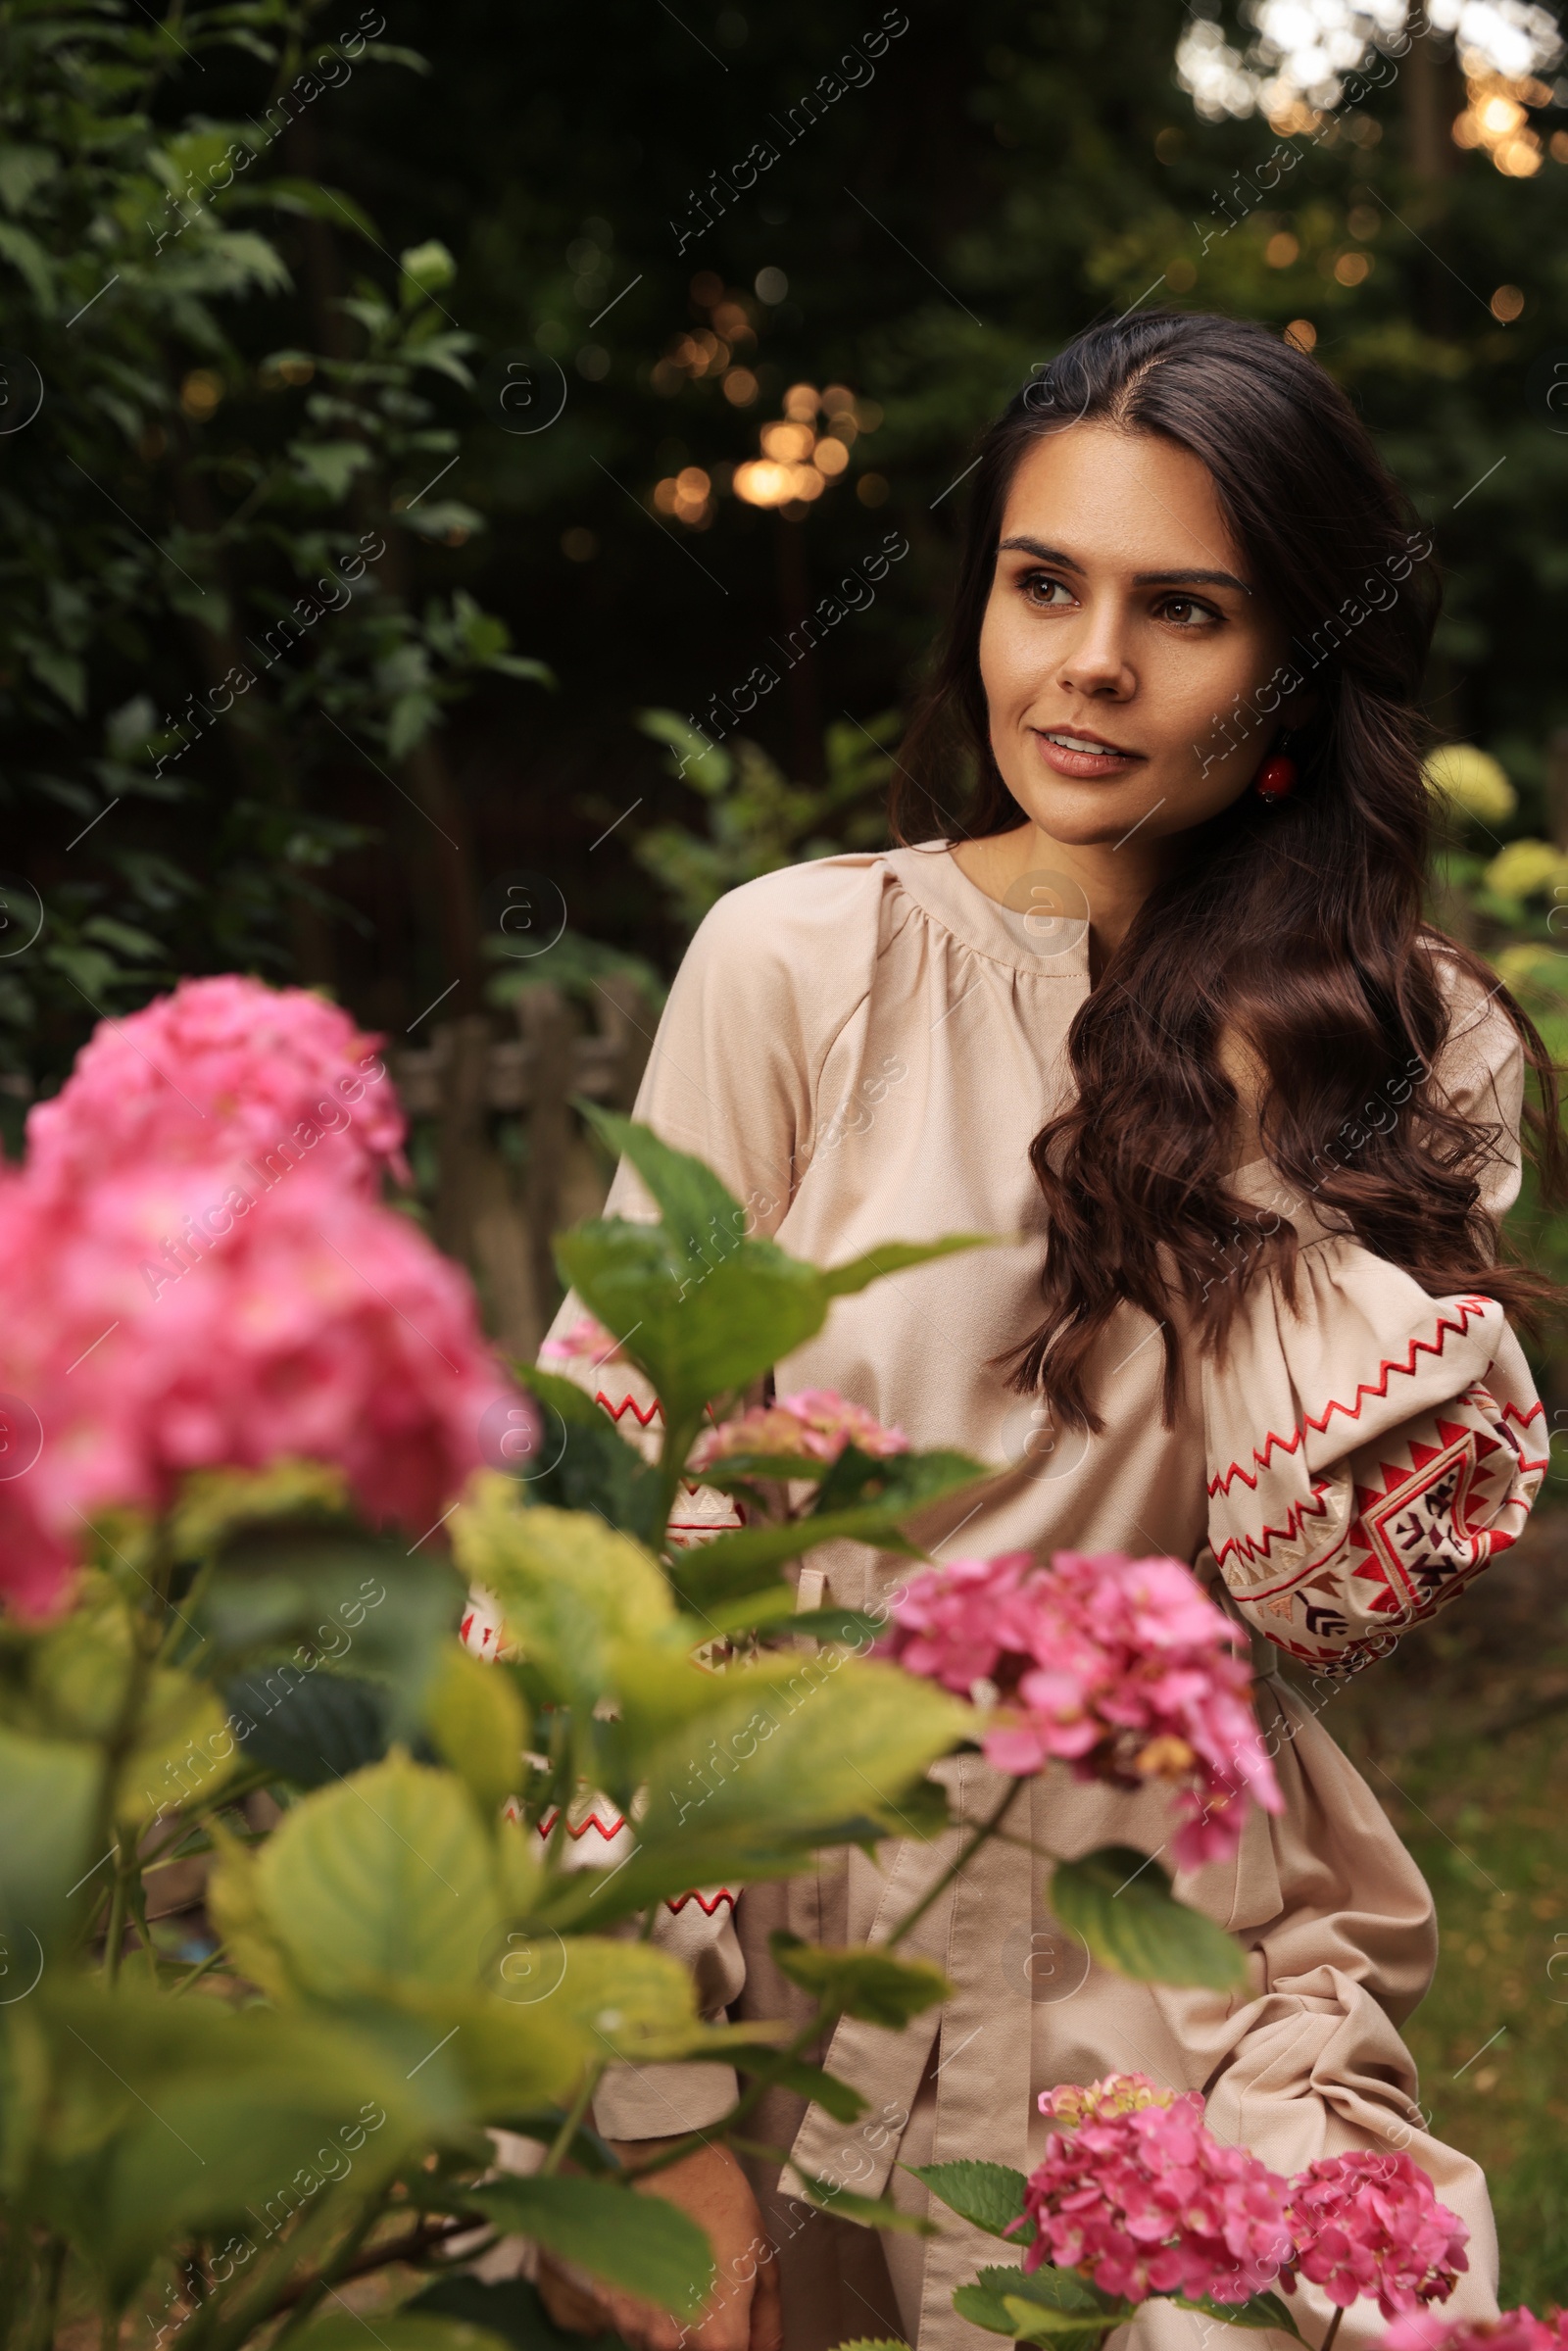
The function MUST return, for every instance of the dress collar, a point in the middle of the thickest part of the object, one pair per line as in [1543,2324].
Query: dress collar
[1044,931]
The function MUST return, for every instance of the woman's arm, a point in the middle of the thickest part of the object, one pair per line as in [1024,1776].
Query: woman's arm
[1367,1455]
[1373,1449]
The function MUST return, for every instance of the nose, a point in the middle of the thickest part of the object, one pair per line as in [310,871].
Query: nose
[1096,663]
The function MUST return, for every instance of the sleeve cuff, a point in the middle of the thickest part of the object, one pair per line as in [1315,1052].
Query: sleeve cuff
[662,2101]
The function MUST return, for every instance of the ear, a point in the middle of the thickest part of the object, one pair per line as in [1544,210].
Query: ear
[1300,709]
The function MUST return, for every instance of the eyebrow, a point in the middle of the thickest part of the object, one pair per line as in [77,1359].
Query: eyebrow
[1140,579]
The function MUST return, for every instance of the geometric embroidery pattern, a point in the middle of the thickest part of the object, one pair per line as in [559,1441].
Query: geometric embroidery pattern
[1382,1538]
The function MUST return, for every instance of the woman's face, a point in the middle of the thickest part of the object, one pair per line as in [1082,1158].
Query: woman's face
[1121,627]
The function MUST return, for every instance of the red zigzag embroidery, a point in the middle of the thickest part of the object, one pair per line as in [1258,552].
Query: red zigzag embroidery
[1471,1309]
[628,1403]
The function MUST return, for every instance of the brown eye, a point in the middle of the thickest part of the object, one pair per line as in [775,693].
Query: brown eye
[1186,611]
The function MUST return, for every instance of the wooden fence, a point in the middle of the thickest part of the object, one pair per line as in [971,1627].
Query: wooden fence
[494,1209]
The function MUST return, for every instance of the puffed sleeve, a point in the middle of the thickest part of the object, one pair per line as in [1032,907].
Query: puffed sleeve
[771,977]
[1370,1450]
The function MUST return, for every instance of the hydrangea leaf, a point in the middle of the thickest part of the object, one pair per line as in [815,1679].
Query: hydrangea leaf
[306,1728]
[988,2195]
[405,2329]
[866,2212]
[1261,2311]
[478,1724]
[1037,2322]
[863,1981]
[638,2242]
[705,1308]
[48,1810]
[827,1756]
[571,1588]
[384,1880]
[1120,1902]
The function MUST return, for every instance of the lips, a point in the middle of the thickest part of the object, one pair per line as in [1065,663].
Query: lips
[1080,751]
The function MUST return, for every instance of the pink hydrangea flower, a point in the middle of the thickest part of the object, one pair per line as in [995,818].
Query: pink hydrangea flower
[224,1071]
[1122,1667]
[1368,2223]
[813,1426]
[1514,2331]
[167,1310]
[1138,2194]
[584,1337]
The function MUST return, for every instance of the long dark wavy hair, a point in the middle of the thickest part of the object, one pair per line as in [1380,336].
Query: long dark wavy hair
[1300,925]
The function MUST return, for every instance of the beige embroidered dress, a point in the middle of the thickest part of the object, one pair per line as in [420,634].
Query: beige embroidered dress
[864,1048]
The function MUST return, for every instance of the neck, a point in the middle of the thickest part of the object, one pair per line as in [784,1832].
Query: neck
[1114,876]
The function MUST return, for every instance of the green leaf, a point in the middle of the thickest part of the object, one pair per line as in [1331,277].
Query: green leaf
[594,1467]
[837,1628]
[410,2329]
[640,2244]
[59,670]
[330,465]
[861,1500]
[139,945]
[335,1592]
[49,1791]
[826,1756]
[1120,1902]
[306,1728]
[22,171]
[983,2307]
[441,516]
[216,1506]
[508,2307]
[893,1257]
[988,2195]
[1263,2309]
[384,1881]
[768,1610]
[895,1483]
[704,1310]
[986,2303]
[723,1571]
[478,1724]
[617,1999]
[863,1981]
[1038,2323]
[695,1205]
[661,1689]
[412,717]
[837,2098]
[181,1750]
[709,767]
[775,1613]
[738,1473]
[866,2212]
[303,196]
[168,2117]
[523,666]
[698,1330]
[26,254]
[571,1588]
[1063,2289]
[426,268]
[776,1610]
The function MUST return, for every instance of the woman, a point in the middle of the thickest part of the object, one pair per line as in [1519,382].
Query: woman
[1155,998]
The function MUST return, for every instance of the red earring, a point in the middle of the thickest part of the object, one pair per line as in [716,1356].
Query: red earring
[1276,778]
